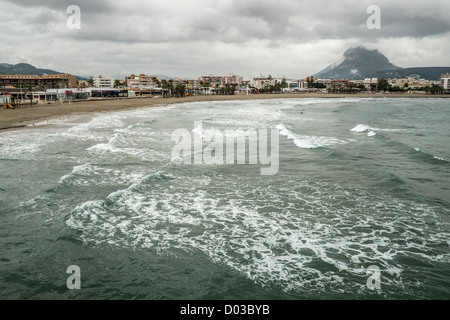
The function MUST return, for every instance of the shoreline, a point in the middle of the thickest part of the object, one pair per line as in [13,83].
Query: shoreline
[25,116]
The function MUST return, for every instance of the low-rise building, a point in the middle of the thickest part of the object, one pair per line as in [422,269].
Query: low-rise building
[261,82]
[104,82]
[141,81]
[338,83]
[45,81]
[369,82]
[325,82]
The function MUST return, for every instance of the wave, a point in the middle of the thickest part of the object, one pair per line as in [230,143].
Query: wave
[430,157]
[371,132]
[361,128]
[92,175]
[308,142]
[297,249]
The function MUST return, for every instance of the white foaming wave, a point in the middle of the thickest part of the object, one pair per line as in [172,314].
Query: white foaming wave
[18,149]
[100,122]
[105,147]
[131,142]
[269,248]
[266,249]
[247,116]
[91,175]
[313,101]
[371,134]
[363,128]
[308,142]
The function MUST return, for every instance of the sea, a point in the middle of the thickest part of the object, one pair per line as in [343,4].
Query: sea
[358,208]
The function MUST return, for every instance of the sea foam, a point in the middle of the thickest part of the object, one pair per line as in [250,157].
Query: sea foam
[308,142]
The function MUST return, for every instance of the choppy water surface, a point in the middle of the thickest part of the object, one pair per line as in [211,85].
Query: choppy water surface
[361,182]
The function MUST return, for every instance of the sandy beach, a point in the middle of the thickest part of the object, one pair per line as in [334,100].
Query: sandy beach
[27,115]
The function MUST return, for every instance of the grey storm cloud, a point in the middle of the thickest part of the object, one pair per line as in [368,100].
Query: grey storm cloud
[237,21]
[242,33]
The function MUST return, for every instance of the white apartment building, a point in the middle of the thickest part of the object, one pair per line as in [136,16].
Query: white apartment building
[368,81]
[445,82]
[104,82]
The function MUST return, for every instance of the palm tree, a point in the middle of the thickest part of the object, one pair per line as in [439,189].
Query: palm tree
[30,89]
[170,86]
[180,89]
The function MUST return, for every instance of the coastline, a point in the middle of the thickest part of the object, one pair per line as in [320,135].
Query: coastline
[24,116]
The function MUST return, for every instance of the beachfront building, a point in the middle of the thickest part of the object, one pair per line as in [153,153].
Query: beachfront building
[18,81]
[221,81]
[370,83]
[104,82]
[411,82]
[212,81]
[294,85]
[325,82]
[141,81]
[58,81]
[232,79]
[445,82]
[83,84]
[45,81]
[261,82]
[193,86]
[339,83]
[61,95]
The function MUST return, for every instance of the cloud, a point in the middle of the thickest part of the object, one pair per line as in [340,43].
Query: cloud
[190,38]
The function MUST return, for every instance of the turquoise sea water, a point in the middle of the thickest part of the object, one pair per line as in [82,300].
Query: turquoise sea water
[361,182]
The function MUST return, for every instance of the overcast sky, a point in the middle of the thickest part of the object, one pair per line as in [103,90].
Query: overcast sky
[190,38]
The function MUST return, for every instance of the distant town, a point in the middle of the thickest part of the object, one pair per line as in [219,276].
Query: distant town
[33,89]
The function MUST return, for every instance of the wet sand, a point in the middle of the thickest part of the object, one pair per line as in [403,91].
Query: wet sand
[27,115]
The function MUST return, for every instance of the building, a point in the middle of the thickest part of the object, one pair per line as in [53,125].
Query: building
[445,82]
[338,83]
[370,82]
[19,81]
[104,82]
[45,81]
[141,81]
[325,82]
[212,81]
[221,81]
[261,82]
[233,80]
[83,83]
[58,81]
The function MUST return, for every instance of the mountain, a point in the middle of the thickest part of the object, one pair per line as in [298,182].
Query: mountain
[25,68]
[163,77]
[359,63]
[429,73]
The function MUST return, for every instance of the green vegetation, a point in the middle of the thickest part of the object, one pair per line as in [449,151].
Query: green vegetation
[227,90]
[278,87]
[384,86]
